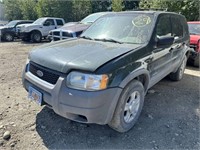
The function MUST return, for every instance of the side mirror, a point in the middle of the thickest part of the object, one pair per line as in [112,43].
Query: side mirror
[47,23]
[166,40]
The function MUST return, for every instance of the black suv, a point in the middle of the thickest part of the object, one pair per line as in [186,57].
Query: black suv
[9,31]
[103,76]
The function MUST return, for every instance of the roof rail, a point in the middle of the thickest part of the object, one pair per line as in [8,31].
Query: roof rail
[150,9]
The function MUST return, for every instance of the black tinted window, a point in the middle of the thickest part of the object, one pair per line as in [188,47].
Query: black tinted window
[67,34]
[177,28]
[51,22]
[163,27]
[78,33]
[59,22]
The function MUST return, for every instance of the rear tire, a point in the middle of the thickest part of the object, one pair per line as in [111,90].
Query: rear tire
[129,107]
[178,75]
[36,36]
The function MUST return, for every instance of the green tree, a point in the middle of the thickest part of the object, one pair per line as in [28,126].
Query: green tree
[28,9]
[101,5]
[131,4]
[189,8]
[45,8]
[12,10]
[81,9]
[117,5]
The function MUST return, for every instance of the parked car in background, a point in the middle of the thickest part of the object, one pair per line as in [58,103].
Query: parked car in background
[39,29]
[74,29]
[103,76]
[194,29]
[9,31]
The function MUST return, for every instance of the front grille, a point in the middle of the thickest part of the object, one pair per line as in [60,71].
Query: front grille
[47,75]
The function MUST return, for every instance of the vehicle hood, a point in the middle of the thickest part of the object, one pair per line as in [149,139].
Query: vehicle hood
[70,23]
[29,25]
[194,39]
[73,28]
[6,28]
[78,54]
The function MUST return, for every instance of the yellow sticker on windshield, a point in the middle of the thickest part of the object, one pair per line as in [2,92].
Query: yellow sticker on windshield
[141,21]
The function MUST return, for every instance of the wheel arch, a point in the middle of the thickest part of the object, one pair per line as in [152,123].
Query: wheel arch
[35,30]
[141,75]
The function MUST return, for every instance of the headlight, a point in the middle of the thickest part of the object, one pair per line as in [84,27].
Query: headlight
[89,82]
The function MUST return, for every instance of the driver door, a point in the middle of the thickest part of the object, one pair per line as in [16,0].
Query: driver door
[48,25]
[161,58]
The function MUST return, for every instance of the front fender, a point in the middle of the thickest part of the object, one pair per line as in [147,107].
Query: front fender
[134,75]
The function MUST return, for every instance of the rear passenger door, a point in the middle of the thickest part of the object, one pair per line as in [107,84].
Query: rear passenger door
[178,33]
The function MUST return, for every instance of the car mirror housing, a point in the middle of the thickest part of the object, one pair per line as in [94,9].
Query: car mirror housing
[166,40]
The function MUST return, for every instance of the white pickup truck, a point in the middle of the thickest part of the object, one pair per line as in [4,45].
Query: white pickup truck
[39,29]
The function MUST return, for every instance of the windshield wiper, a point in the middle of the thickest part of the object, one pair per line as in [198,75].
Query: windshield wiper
[86,37]
[109,40]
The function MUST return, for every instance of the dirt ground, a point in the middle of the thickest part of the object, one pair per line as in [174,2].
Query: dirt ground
[169,120]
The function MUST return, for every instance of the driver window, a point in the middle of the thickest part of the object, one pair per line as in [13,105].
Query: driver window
[177,28]
[163,27]
[50,22]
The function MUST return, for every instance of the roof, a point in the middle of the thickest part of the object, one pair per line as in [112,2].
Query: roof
[193,22]
[23,20]
[50,18]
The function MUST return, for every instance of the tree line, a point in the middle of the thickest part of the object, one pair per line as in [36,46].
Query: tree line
[75,10]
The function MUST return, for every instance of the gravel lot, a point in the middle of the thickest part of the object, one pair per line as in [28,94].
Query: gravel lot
[169,120]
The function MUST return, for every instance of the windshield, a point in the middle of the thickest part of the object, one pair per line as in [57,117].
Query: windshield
[39,21]
[91,18]
[194,28]
[12,23]
[121,28]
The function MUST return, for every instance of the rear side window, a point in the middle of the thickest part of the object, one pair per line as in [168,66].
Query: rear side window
[163,27]
[59,22]
[177,27]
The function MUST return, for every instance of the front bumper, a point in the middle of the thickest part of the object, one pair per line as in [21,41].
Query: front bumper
[82,106]
[23,35]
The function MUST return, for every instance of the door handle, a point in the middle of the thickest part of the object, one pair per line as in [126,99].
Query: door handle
[148,60]
[171,49]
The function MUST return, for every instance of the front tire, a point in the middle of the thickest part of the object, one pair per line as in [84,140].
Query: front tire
[178,75]
[36,36]
[129,107]
[197,60]
[8,37]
